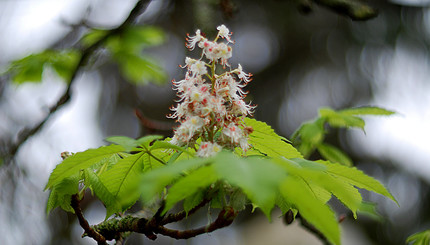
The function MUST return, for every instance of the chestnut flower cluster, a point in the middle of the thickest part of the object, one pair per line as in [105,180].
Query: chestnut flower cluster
[210,104]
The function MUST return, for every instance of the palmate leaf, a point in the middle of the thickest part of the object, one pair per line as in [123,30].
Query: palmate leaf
[336,119]
[265,140]
[357,178]
[81,160]
[297,192]
[153,182]
[309,135]
[123,178]
[190,185]
[318,179]
[101,191]
[369,110]
[334,154]
[257,178]
[61,194]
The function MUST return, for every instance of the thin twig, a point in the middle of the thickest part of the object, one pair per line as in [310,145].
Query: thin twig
[181,215]
[86,53]
[84,223]
[110,229]
[225,218]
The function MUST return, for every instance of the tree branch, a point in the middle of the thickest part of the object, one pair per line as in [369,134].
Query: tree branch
[112,228]
[84,223]
[86,53]
[354,9]
[181,215]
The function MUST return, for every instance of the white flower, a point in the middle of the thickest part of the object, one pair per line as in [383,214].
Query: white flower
[239,107]
[208,149]
[233,132]
[224,32]
[193,40]
[198,68]
[242,75]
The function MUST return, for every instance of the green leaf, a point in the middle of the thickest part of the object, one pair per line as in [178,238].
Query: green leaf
[64,63]
[147,140]
[336,119]
[61,194]
[370,110]
[238,200]
[153,182]
[265,140]
[258,178]
[101,191]
[93,36]
[419,238]
[167,145]
[81,160]
[309,135]
[122,179]
[124,141]
[296,192]
[320,182]
[357,178]
[192,201]
[369,209]
[189,185]
[333,154]
[140,70]
[29,68]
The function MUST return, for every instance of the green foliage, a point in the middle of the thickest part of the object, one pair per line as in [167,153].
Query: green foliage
[420,238]
[266,141]
[126,50]
[30,68]
[310,135]
[296,192]
[61,194]
[272,173]
[304,185]
[82,160]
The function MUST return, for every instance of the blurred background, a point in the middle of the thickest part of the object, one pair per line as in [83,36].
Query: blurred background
[300,62]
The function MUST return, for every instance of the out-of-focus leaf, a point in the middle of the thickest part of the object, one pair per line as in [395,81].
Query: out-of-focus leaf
[189,185]
[192,201]
[336,119]
[420,238]
[369,110]
[139,69]
[64,63]
[258,178]
[333,154]
[30,68]
[369,209]
[93,36]
[127,142]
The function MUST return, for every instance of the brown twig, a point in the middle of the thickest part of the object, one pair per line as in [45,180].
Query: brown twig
[225,218]
[112,228]
[181,215]
[84,223]
[86,53]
